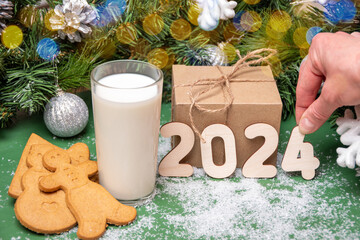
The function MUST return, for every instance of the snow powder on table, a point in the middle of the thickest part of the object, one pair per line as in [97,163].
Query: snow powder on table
[280,208]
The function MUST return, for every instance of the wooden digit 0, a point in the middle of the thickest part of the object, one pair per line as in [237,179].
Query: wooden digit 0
[212,131]
[169,165]
[307,163]
[254,167]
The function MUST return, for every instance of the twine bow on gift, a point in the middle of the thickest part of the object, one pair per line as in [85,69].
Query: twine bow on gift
[252,58]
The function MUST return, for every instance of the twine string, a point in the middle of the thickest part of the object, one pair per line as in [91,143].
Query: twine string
[252,58]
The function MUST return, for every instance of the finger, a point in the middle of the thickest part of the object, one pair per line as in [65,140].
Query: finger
[307,88]
[316,115]
[355,34]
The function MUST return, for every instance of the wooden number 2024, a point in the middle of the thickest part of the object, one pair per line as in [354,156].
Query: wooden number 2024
[253,167]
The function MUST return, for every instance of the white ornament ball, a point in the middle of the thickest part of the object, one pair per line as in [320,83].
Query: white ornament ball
[66,115]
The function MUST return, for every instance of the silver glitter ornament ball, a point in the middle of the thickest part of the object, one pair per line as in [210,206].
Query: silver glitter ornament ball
[66,115]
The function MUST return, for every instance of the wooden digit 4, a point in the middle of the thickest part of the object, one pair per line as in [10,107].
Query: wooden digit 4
[254,167]
[225,170]
[170,166]
[307,163]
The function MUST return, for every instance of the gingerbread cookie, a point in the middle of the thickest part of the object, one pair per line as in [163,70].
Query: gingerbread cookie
[89,202]
[32,155]
[42,212]
[15,188]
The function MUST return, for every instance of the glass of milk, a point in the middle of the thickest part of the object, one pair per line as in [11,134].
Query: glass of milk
[126,97]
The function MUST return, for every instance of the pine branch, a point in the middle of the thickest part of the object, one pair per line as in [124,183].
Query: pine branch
[74,70]
[286,83]
[28,88]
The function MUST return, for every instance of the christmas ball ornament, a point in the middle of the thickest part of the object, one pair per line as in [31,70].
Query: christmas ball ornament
[280,21]
[303,52]
[274,34]
[66,115]
[275,65]
[310,34]
[158,57]
[250,21]
[6,12]
[171,61]
[232,34]
[229,51]
[180,29]
[337,11]
[251,2]
[193,14]
[110,12]
[153,24]
[48,49]
[200,36]
[214,56]
[27,15]
[126,33]
[12,37]
[299,37]
[141,48]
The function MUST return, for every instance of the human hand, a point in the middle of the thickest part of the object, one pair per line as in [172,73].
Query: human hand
[335,59]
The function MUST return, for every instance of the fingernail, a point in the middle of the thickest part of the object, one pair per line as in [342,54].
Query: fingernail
[306,126]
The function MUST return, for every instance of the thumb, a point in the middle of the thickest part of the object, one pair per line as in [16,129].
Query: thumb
[316,115]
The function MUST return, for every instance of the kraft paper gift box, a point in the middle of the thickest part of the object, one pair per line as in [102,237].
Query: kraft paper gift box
[256,100]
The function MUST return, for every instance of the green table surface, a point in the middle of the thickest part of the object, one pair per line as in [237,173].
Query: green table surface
[199,207]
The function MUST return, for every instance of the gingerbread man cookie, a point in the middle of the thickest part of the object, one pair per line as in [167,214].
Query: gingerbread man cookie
[15,188]
[89,202]
[42,212]
[46,212]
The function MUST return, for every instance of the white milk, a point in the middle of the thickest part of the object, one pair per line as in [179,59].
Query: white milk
[127,125]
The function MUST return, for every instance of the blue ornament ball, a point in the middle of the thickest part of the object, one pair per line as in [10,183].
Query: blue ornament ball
[310,34]
[337,11]
[48,49]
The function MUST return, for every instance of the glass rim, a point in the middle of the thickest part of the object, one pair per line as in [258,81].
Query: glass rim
[127,60]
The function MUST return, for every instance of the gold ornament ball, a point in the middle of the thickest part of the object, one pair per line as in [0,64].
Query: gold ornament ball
[27,15]
[229,51]
[250,21]
[252,2]
[158,57]
[299,37]
[126,33]
[171,61]
[280,21]
[153,24]
[107,47]
[141,48]
[12,37]
[232,34]
[180,29]
[200,37]
[193,14]
[275,65]
[274,34]
[303,52]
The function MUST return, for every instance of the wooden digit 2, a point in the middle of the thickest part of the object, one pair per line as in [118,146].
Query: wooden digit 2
[254,167]
[170,166]
[223,131]
[307,163]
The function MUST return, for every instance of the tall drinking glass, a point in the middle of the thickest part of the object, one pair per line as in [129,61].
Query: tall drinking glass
[126,98]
